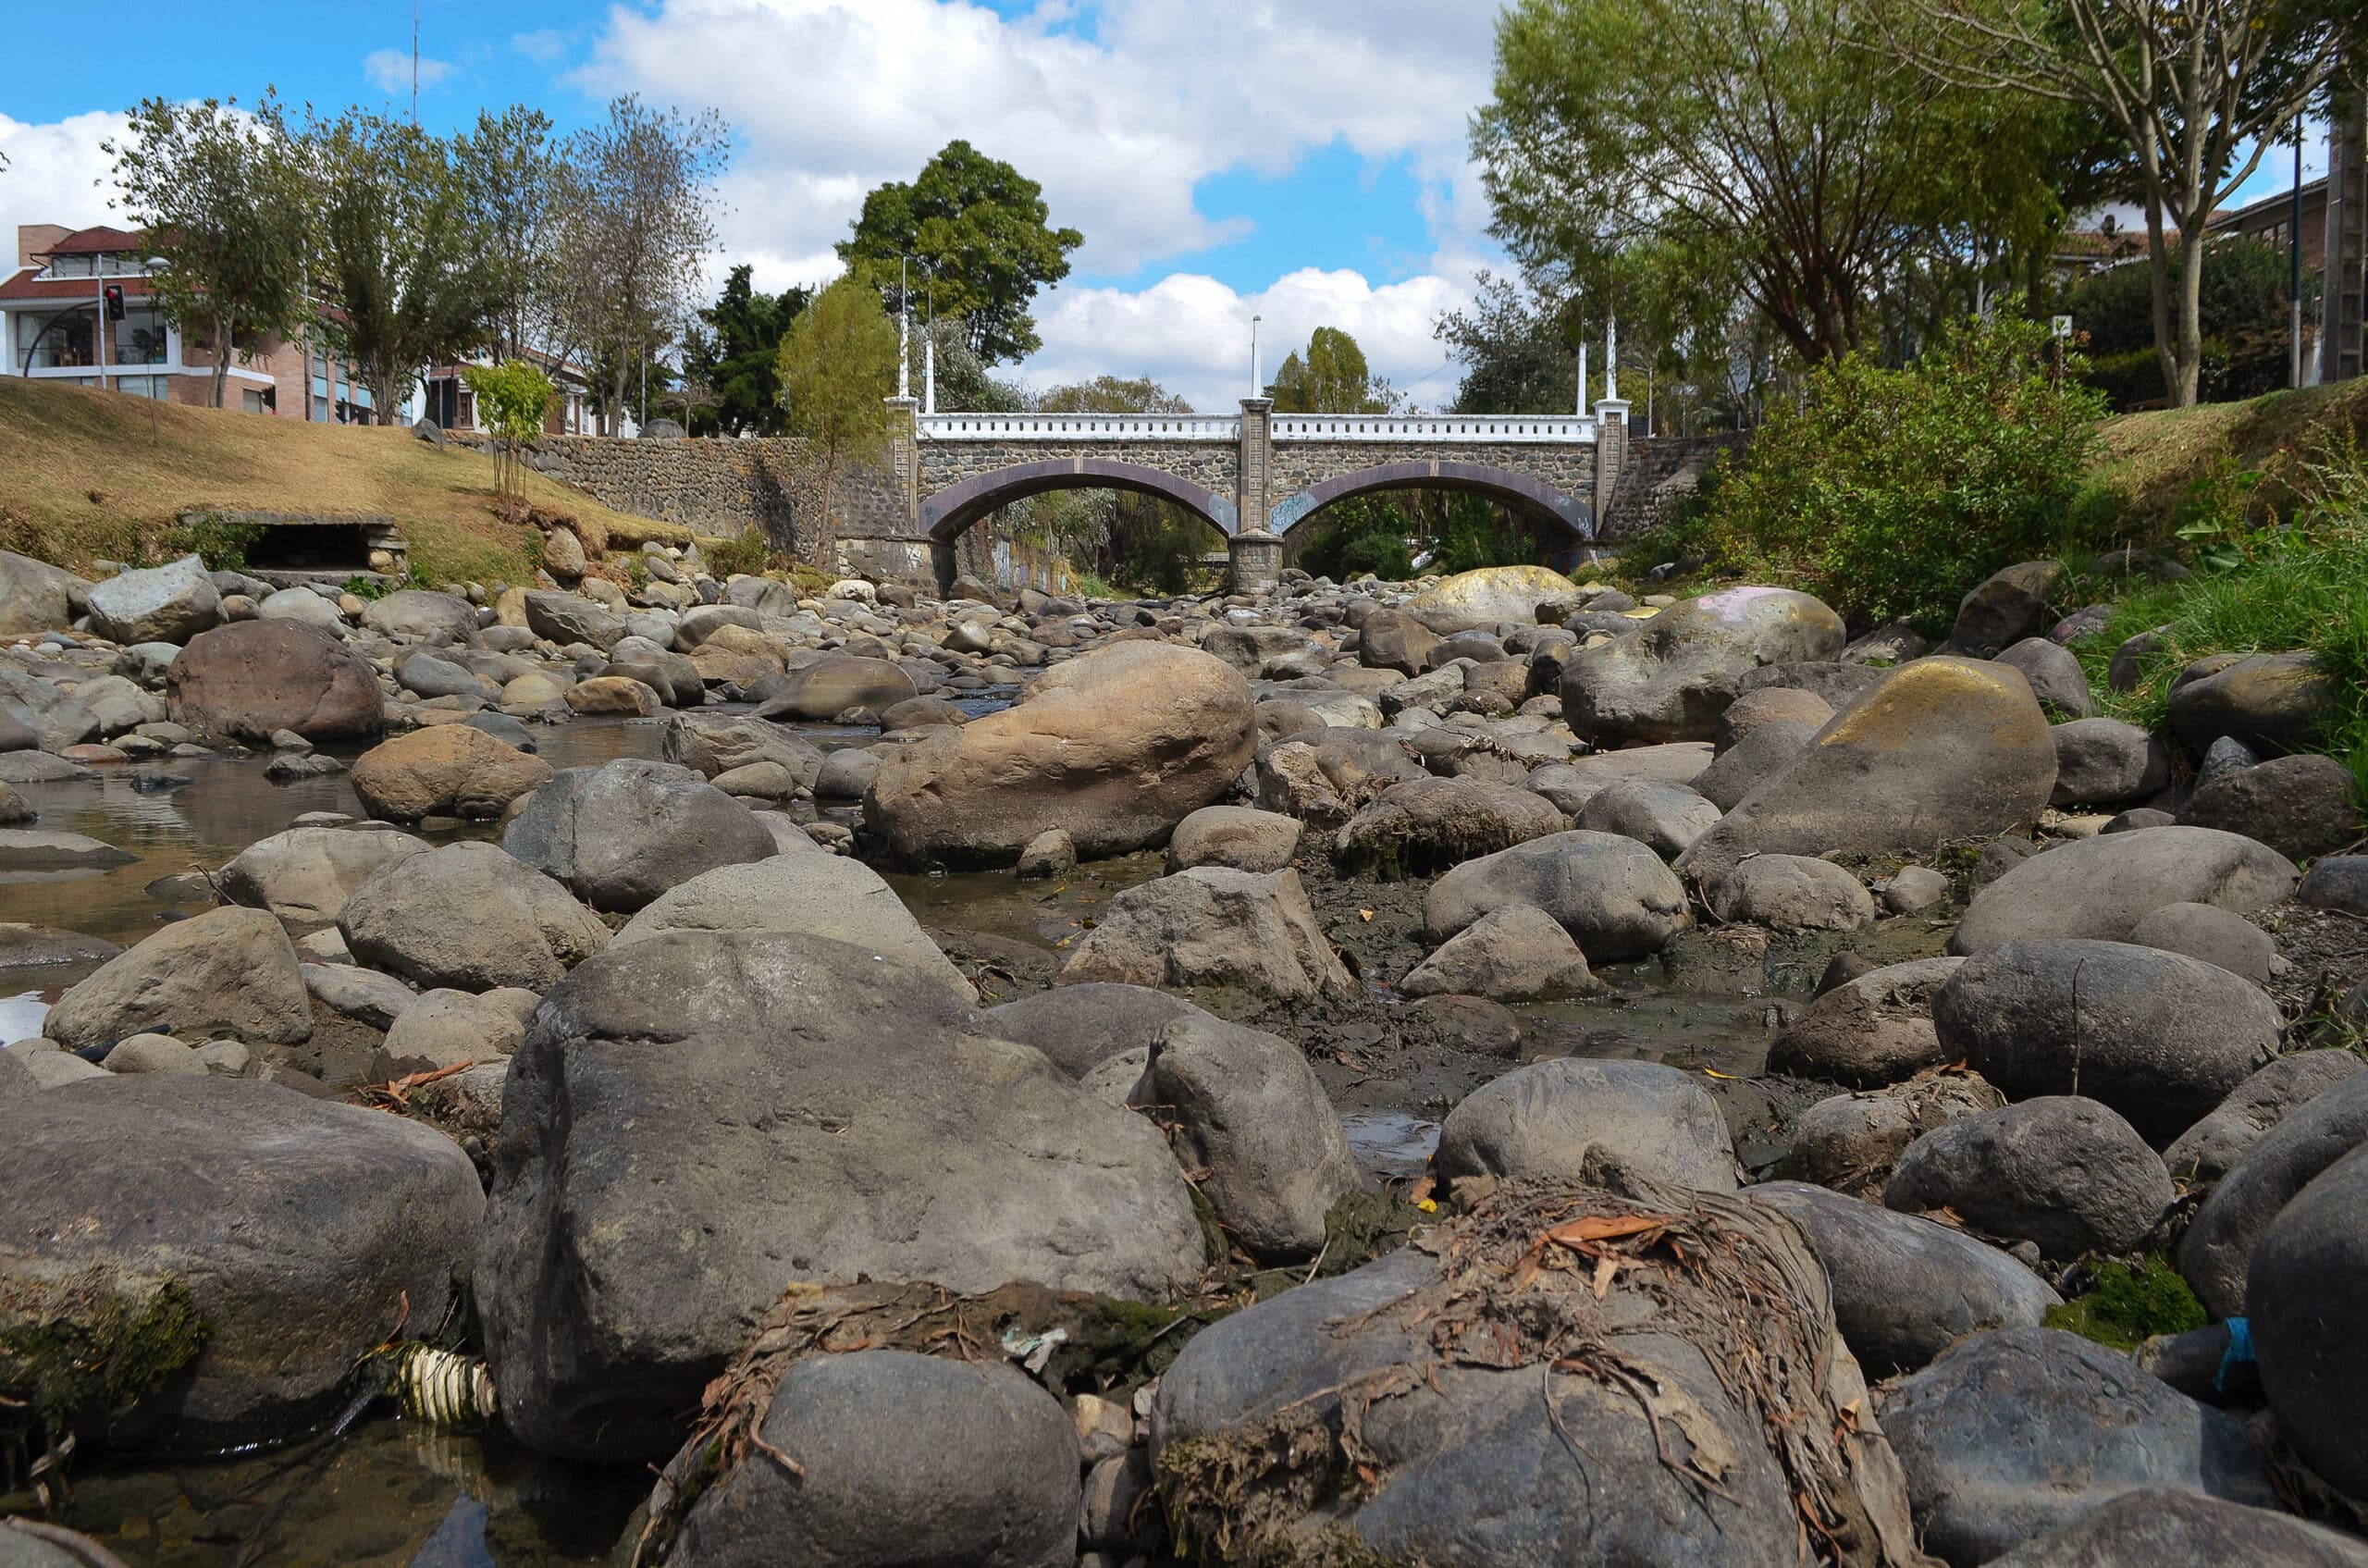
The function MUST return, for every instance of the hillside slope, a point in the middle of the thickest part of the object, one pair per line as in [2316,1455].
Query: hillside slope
[2151,459]
[86,474]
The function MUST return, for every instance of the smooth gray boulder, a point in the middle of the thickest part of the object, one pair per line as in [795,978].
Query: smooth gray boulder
[1613,894]
[1937,751]
[2212,1148]
[2017,1432]
[168,603]
[2272,702]
[1665,818]
[1905,1289]
[2303,1291]
[36,597]
[2107,762]
[2101,887]
[1514,953]
[471,917]
[2337,881]
[2064,1173]
[1789,892]
[625,831]
[1874,1029]
[717,744]
[1245,1109]
[1424,826]
[1673,679]
[228,972]
[1551,1117]
[2218,937]
[698,1119]
[2160,1037]
[264,1240]
[2056,678]
[419,615]
[1766,750]
[1571,784]
[2157,1526]
[2004,607]
[1079,1026]
[1852,1143]
[53,849]
[830,685]
[356,993]
[566,618]
[304,875]
[1213,927]
[2301,807]
[1241,838]
[914,1460]
[2217,1250]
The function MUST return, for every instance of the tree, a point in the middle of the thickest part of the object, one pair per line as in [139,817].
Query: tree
[2199,90]
[1331,377]
[1739,147]
[963,380]
[1517,348]
[512,399]
[407,277]
[220,194]
[518,185]
[737,357]
[838,368]
[981,228]
[642,216]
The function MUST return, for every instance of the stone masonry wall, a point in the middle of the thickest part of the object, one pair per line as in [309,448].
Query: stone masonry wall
[1299,464]
[1206,464]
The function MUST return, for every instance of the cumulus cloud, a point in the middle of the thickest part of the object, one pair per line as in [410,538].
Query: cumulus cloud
[389,70]
[56,174]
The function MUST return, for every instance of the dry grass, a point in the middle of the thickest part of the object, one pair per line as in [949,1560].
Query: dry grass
[2150,459]
[92,472]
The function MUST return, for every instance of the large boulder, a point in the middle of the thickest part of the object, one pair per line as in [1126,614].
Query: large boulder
[419,615]
[1325,777]
[1938,750]
[469,917]
[1570,785]
[2101,887]
[1213,927]
[2212,1147]
[2217,1254]
[1391,639]
[2057,677]
[1514,953]
[1905,1288]
[623,833]
[168,603]
[2064,1173]
[1673,678]
[2155,1526]
[2270,701]
[2160,1037]
[1079,1026]
[1114,748]
[902,1459]
[1663,817]
[1790,893]
[249,679]
[36,597]
[226,972]
[446,770]
[567,618]
[304,875]
[1479,599]
[2107,762]
[1852,1143]
[1868,1032]
[2018,1431]
[1422,827]
[220,1253]
[716,744]
[811,894]
[2303,1294]
[2301,807]
[1553,1117]
[2004,607]
[1245,1109]
[697,1120]
[1241,837]
[1612,893]
[830,685]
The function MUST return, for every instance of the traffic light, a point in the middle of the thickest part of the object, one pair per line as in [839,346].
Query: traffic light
[114,301]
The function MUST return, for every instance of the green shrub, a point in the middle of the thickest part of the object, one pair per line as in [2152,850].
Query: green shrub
[1888,493]
[749,554]
[2130,378]
[221,544]
[2127,1306]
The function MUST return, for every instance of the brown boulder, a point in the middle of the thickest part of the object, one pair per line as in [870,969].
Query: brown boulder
[249,678]
[450,771]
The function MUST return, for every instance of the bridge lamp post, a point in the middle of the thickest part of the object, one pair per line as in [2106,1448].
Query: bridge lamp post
[904,330]
[1257,386]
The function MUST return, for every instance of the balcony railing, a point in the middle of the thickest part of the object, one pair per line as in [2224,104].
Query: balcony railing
[1477,428]
[1080,428]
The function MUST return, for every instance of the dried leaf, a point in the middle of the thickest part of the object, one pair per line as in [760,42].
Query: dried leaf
[1364,914]
[1605,1267]
[1604,1228]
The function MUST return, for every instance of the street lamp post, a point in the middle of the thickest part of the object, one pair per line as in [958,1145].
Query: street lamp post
[1257,386]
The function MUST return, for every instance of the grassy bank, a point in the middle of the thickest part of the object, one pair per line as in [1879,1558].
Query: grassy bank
[2151,463]
[87,476]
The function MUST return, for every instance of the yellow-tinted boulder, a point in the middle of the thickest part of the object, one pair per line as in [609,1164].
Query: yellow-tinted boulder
[1479,599]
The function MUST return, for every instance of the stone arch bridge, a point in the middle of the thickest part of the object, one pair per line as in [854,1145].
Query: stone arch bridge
[1255,475]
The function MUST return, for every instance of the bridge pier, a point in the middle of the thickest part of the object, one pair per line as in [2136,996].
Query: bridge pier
[1255,559]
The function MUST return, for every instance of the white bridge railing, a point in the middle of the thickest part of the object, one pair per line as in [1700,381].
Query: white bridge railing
[1478,429]
[1472,427]
[1080,428]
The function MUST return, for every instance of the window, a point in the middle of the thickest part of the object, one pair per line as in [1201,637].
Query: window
[72,267]
[140,336]
[57,340]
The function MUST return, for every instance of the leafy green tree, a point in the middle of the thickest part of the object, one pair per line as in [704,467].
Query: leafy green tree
[407,277]
[220,194]
[838,368]
[737,356]
[983,229]
[1891,492]
[513,400]
[1330,377]
[519,185]
[1739,148]
[2243,309]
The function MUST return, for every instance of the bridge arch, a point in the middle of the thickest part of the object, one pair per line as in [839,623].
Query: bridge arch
[949,514]
[1529,498]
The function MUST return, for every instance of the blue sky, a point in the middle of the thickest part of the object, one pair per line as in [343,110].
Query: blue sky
[1302,159]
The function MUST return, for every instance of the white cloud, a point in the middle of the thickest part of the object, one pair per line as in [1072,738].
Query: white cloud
[389,70]
[543,45]
[56,174]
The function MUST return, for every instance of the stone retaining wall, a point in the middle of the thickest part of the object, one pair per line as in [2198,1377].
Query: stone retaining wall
[1207,463]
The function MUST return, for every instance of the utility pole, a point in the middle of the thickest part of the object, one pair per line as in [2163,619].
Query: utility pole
[415,62]
[2294,237]
[904,330]
[1257,387]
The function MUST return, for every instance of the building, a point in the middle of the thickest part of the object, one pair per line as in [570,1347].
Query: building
[452,406]
[79,309]
[2271,220]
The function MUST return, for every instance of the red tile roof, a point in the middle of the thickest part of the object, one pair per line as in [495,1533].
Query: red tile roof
[85,241]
